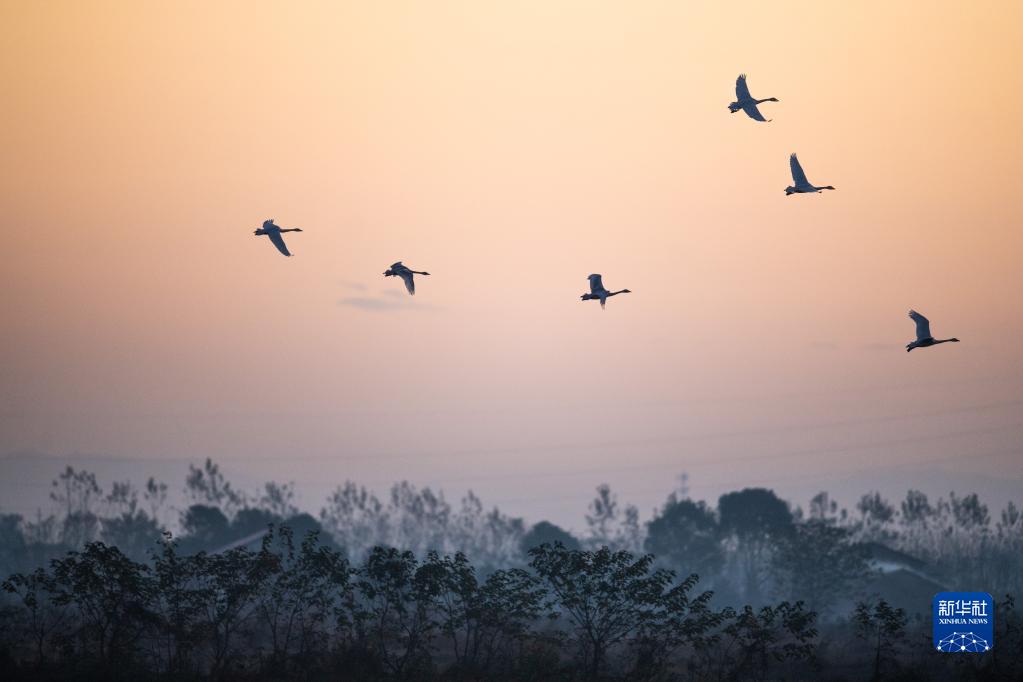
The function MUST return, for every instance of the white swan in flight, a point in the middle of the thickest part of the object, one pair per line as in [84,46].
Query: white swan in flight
[399,270]
[274,233]
[745,102]
[802,185]
[923,333]
[598,292]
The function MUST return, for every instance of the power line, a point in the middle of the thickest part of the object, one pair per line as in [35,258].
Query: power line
[769,480]
[651,440]
[752,457]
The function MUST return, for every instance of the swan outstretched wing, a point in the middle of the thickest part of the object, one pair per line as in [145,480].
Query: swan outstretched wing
[278,240]
[596,285]
[406,275]
[397,266]
[741,89]
[752,111]
[798,176]
[923,325]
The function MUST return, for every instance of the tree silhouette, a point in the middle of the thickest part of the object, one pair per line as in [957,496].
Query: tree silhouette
[110,595]
[546,532]
[752,521]
[819,563]
[41,616]
[685,535]
[179,608]
[299,594]
[392,611]
[611,525]
[228,585]
[755,639]
[883,628]
[275,606]
[606,596]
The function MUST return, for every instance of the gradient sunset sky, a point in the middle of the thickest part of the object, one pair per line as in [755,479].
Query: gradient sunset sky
[512,148]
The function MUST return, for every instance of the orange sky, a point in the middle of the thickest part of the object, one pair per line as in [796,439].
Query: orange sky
[511,148]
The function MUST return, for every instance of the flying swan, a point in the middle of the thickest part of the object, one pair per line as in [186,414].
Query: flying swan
[803,185]
[274,233]
[399,270]
[923,333]
[745,102]
[599,293]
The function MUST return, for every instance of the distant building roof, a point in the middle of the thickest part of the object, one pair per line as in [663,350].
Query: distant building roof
[246,541]
[886,559]
[905,589]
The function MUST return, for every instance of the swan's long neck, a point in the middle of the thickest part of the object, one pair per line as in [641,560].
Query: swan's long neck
[769,99]
[936,341]
[615,293]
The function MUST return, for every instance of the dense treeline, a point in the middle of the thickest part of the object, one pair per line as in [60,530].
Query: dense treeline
[299,610]
[302,609]
[752,547]
[249,587]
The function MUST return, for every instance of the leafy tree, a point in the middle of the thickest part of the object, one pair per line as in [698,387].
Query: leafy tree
[823,508]
[483,620]
[126,526]
[607,596]
[392,611]
[548,533]
[77,494]
[755,639]
[916,508]
[179,608]
[970,514]
[207,486]
[685,535]
[356,519]
[419,518]
[509,602]
[13,547]
[611,526]
[110,595]
[205,526]
[298,596]
[42,617]
[279,499]
[490,538]
[752,521]
[252,520]
[681,621]
[819,563]
[1011,516]
[155,496]
[228,585]
[883,628]
[876,516]
[1008,652]
[132,532]
[754,512]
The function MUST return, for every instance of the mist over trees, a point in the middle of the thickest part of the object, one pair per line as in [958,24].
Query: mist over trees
[113,583]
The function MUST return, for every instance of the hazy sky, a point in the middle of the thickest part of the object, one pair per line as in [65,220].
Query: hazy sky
[512,148]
